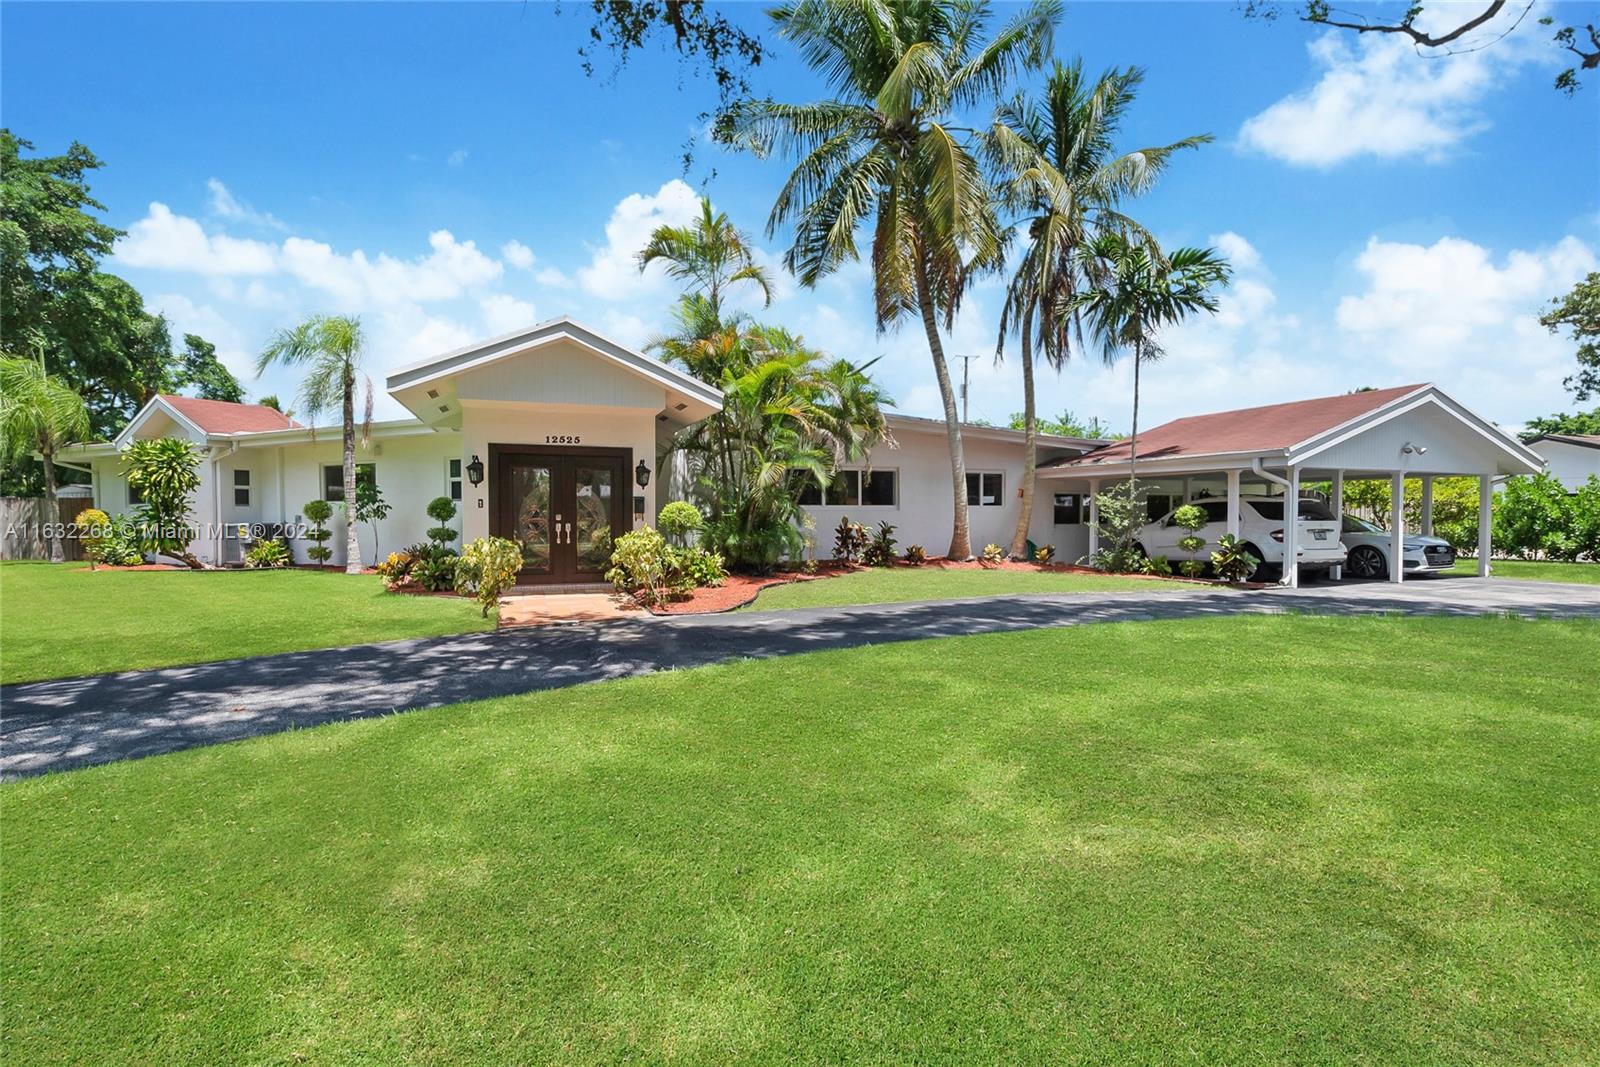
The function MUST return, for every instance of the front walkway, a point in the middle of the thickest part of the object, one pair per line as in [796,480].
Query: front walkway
[72,722]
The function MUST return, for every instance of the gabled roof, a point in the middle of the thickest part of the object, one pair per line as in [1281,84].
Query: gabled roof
[222,417]
[1582,440]
[1269,428]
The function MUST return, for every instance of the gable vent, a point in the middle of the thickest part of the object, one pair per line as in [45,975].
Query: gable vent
[444,407]
[680,407]
[433,394]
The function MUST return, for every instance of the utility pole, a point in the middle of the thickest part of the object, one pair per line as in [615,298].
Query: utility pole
[966,382]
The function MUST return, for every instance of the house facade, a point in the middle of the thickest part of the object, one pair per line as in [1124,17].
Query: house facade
[558,439]
[1570,458]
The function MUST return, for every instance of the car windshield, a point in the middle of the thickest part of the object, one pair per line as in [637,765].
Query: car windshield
[1272,510]
[1355,525]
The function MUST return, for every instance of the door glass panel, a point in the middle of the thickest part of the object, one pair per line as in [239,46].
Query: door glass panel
[591,532]
[529,493]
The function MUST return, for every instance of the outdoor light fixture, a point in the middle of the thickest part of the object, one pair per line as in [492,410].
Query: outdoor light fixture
[1408,448]
[641,474]
[475,471]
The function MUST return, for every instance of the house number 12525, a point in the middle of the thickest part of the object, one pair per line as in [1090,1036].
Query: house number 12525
[562,439]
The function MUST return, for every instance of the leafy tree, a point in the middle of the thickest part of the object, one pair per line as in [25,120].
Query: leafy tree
[371,508]
[887,146]
[330,348]
[710,255]
[1141,293]
[1062,176]
[1583,423]
[202,369]
[166,473]
[39,413]
[1579,311]
[1537,517]
[1069,425]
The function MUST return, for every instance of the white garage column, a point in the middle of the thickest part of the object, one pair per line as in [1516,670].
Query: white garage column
[1291,530]
[1427,505]
[1233,502]
[1485,523]
[1336,505]
[1094,517]
[1397,527]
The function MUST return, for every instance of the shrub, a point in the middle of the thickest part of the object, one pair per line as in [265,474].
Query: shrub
[267,553]
[1537,517]
[993,555]
[441,509]
[916,555]
[643,564]
[1193,568]
[435,570]
[165,471]
[1230,560]
[90,526]
[694,567]
[849,541]
[1157,565]
[120,545]
[318,512]
[396,569]
[1044,554]
[880,552]
[679,519]
[487,567]
[1121,516]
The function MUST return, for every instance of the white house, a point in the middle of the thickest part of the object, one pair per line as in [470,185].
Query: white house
[553,436]
[1570,458]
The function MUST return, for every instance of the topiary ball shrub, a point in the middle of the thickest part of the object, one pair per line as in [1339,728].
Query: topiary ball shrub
[679,519]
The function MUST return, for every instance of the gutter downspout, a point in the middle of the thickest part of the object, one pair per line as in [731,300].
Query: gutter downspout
[1291,522]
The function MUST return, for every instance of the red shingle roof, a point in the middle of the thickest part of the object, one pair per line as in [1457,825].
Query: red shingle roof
[220,416]
[1269,428]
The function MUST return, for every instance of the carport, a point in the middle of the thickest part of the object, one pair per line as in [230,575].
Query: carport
[1411,431]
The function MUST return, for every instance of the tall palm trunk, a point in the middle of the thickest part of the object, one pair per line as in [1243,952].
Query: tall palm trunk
[1030,447]
[960,536]
[352,542]
[1133,438]
[53,511]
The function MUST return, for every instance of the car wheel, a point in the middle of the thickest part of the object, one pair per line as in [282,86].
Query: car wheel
[1365,561]
[1263,571]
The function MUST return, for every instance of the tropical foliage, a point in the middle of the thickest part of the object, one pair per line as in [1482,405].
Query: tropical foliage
[267,554]
[486,568]
[165,471]
[1067,186]
[1578,312]
[645,565]
[887,147]
[1579,422]
[330,348]
[1536,518]
[39,413]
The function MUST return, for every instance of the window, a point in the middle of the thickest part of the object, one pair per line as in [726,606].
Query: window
[985,489]
[854,488]
[333,479]
[1272,510]
[1158,504]
[452,478]
[1068,509]
[135,496]
[241,488]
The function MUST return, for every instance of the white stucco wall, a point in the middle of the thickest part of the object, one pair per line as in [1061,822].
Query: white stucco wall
[1570,464]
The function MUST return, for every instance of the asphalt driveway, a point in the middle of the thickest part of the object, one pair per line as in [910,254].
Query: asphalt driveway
[55,725]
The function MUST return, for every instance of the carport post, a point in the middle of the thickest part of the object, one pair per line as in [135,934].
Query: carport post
[1397,527]
[1336,505]
[1485,522]
[1427,505]
[1233,502]
[1291,530]
[1094,516]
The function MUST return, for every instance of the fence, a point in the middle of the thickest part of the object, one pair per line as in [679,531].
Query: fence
[22,521]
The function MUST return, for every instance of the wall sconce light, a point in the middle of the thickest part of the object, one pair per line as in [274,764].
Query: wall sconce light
[475,472]
[641,474]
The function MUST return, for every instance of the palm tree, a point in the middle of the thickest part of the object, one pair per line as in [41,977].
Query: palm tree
[711,255]
[886,146]
[40,413]
[1141,293]
[330,347]
[1062,178]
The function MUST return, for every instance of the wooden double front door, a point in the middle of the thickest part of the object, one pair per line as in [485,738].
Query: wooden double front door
[563,506]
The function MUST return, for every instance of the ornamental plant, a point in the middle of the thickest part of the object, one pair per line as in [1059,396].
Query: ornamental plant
[1193,518]
[371,508]
[1044,554]
[441,509]
[267,554]
[993,555]
[1121,515]
[916,555]
[166,473]
[639,565]
[1230,560]
[880,552]
[849,541]
[678,520]
[318,512]
[91,527]
[487,567]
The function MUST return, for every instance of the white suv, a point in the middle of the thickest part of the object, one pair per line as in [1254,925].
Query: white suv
[1260,530]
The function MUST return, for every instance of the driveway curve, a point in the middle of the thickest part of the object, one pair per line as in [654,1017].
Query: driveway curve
[55,725]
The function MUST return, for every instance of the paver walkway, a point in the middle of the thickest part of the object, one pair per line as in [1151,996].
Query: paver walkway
[71,722]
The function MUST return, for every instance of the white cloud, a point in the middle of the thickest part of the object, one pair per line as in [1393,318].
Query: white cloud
[517,254]
[186,316]
[227,206]
[1240,252]
[503,313]
[613,272]
[1378,96]
[449,270]
[457,158]
[551,278]
[164,241]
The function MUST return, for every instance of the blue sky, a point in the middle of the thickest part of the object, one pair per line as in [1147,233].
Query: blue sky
[448,172]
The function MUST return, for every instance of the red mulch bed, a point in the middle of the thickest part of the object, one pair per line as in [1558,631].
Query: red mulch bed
[741,589]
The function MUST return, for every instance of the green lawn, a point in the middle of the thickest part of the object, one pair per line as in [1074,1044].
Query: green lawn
[1535,570]
[1376,843]
[886,586]
[62,621]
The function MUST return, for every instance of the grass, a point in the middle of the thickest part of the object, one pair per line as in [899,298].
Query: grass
[886,586]
[65,620]
[1375,842]
[1535,570]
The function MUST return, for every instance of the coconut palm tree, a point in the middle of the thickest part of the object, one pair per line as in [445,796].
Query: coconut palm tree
[1140,293]
[710,254]
[330,348]
[888,147]
[1055,152]
[40,413]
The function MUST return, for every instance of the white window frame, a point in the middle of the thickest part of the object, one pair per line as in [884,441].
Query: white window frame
[859,472]
[246,487]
